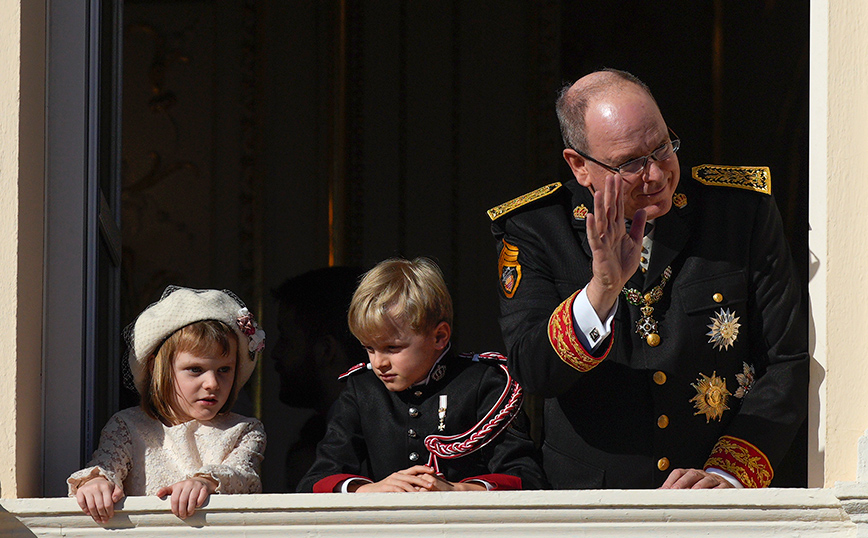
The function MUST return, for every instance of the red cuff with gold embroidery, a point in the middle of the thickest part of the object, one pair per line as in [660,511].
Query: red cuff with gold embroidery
[562,336]
[742,460]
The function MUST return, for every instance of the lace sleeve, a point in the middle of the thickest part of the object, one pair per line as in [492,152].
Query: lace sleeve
[111,460]
[239,471]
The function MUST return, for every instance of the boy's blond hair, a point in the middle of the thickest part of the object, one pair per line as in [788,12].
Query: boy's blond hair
[197,338]
[399,293]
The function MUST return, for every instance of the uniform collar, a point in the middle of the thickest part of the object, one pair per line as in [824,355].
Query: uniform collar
[437,370]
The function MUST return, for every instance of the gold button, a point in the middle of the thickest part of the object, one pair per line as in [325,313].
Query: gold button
[648,298]
[659,377]
[663,464]
[662,421]
[717,298]
[653,339]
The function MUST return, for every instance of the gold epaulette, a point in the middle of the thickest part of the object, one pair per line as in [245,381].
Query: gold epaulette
[496,212]
[752,178]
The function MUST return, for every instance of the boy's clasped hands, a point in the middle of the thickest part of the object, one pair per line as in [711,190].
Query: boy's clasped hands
[416,478]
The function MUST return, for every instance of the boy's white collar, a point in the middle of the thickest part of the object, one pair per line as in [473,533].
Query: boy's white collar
[433,366]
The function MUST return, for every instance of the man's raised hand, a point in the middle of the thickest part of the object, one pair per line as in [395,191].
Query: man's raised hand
[616,253]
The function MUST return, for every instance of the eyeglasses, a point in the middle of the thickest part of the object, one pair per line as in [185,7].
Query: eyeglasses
[632,168]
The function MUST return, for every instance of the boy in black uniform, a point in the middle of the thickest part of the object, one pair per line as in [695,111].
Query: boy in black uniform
[418,417]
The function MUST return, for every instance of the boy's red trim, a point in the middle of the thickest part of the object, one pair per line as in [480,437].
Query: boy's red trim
[495,422]
[351,371]
[328,484]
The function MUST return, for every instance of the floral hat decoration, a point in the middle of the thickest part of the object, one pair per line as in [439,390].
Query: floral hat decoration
[179,307]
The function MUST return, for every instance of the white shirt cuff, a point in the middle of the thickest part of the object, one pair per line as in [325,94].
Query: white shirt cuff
[346,483]
[726,476]
[591,330]
[488,485]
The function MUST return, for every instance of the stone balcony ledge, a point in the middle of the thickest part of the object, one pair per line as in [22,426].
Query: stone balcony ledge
[621,513]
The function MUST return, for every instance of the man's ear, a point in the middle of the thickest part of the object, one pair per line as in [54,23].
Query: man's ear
[327,351]
[442,333]
[578,165]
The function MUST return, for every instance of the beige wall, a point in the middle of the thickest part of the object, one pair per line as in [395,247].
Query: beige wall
[9,17]
[21,201]
[838,240]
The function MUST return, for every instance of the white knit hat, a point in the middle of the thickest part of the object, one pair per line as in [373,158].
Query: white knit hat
[179,307]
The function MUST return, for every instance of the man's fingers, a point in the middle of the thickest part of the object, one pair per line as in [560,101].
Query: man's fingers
[694,479]
[599,213]
[688,479]
[593,235]
[706,482]
[672,478]
[637,228]
[608,219]
[618,201]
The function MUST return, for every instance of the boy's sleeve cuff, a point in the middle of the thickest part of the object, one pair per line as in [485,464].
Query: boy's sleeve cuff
[496,481]
[327,484]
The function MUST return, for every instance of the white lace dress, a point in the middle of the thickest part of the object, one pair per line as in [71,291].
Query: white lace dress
[142,454]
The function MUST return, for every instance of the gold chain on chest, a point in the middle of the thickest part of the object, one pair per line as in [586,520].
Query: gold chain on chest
[646,327]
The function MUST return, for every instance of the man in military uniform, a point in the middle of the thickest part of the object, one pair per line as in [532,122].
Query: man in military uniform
[672,354]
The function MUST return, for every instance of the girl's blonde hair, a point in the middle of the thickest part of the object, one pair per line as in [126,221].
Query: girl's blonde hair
[399,293]
[197,338]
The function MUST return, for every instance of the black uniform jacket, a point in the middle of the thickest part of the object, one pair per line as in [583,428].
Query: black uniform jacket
[628,414]
[373,432]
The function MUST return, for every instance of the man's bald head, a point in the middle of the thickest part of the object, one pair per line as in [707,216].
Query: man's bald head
[573,101]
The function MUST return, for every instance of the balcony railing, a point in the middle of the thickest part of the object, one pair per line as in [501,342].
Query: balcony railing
[842,511]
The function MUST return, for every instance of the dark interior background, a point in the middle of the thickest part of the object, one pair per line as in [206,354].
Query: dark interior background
[262,139]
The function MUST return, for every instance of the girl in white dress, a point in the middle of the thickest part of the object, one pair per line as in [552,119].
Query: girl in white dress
[189,354]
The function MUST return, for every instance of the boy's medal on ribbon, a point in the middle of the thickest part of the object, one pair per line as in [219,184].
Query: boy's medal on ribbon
[441,413]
